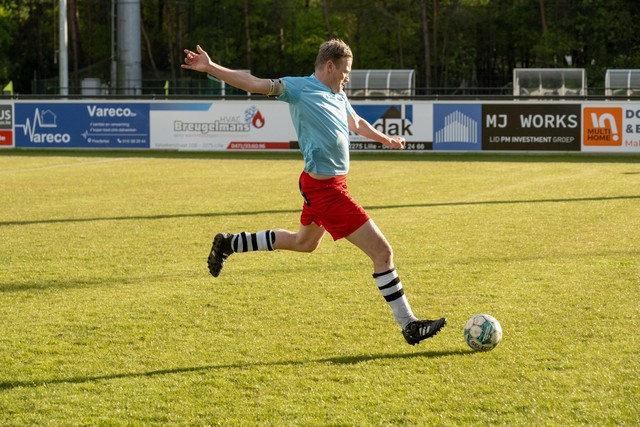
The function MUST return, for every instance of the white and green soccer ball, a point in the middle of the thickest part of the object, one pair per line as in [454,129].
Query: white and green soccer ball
[482,332]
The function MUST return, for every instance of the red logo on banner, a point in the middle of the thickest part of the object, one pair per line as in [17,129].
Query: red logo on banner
[258,120]
[6,138]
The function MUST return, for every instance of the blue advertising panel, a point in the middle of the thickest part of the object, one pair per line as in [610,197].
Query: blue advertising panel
[393,120]
[81,125]
[457,127]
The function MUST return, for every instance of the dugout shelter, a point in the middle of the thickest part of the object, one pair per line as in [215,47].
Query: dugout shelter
[549,82]
[622,82]
[392,82]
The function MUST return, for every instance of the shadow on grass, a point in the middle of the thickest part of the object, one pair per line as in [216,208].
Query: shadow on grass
[342,360]
[69,282]
[276,211]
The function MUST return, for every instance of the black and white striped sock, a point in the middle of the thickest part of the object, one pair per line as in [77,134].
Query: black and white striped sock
[260,241]
[390,287]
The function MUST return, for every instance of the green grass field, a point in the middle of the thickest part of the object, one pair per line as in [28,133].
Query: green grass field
[110,317]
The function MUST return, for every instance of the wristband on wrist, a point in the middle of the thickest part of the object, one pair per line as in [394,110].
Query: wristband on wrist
[276,87]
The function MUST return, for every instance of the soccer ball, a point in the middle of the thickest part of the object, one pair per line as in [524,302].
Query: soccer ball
[482,332]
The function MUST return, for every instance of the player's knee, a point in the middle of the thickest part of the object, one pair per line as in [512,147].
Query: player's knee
[384,255]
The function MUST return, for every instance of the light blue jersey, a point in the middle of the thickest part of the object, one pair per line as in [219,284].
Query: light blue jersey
[320,119]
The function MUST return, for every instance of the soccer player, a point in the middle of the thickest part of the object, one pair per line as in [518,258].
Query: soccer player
[322,117]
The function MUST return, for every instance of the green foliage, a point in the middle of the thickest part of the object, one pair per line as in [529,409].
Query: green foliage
[109,316]
[7,28]
[472,43]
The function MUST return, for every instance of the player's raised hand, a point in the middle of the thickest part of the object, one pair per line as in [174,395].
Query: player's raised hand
[198,61]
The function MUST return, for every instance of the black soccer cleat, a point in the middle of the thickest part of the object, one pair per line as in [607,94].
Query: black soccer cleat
[419,330]
[220,251]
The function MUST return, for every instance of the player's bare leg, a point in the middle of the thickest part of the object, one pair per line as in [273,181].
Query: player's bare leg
[306,239]
[371,241]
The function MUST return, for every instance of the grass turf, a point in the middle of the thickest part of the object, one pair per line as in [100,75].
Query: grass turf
[110,317]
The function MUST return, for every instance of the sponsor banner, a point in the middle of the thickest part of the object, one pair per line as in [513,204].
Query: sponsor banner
[409,120]
[81,125]
[457,127]
[6,125]
[531,127]
[611,128]
[266,125]
[6,138]
[221,125]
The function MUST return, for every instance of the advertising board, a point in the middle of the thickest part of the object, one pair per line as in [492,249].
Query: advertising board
[457,127]
[6,125]
[257,125]
[81,125]
[531,127]
[412,121]
[221,125]
[611,128]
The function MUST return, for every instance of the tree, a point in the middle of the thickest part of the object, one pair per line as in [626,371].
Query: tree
[454,45]
[426,44]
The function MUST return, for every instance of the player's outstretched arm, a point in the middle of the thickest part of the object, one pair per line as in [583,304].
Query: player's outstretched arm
[200,61]
[362,127]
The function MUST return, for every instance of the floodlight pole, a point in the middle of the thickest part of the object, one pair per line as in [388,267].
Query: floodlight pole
[63,62]
[129,50]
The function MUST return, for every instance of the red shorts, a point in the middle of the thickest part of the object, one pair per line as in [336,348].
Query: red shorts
[328,203]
